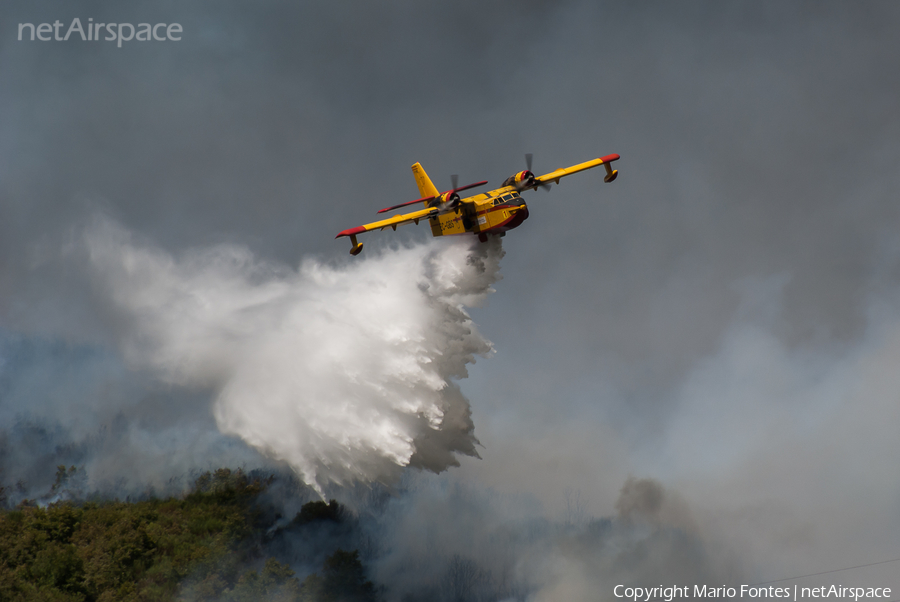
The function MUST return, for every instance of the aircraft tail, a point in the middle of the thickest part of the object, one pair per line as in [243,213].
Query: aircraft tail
[426,188]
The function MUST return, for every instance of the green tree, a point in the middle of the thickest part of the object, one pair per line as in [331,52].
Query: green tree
[343,580]
[319,511]
[275,583]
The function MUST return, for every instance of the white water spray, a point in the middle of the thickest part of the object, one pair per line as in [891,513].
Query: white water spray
[344,373]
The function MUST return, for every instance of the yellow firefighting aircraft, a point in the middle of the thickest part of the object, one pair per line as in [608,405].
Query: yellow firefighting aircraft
[492,212]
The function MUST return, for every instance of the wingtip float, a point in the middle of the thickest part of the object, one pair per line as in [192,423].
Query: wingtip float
[487,213]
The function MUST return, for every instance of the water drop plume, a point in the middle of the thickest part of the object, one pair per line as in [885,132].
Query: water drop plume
[344,372]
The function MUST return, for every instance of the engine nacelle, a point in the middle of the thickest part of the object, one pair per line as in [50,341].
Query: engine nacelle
[521,180]
[448,200]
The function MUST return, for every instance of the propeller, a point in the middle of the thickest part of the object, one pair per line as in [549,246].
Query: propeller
[452,198]
[528,160]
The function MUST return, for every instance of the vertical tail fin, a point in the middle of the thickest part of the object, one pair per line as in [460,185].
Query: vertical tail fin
[426,188]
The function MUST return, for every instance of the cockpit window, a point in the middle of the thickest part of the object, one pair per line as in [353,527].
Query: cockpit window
[506,198]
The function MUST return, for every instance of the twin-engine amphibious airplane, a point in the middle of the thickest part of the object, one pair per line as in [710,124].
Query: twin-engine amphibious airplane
[492,212]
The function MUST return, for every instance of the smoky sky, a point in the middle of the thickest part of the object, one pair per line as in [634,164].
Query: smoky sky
[721,318]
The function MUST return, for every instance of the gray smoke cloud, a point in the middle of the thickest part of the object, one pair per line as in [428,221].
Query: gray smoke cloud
[443,539]
[719,320]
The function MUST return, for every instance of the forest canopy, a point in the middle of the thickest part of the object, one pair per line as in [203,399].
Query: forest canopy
[210,544]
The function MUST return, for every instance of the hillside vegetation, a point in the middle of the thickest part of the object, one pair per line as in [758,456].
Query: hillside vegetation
[207,545]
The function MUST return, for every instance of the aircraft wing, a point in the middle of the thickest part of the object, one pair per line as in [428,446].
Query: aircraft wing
[392,222]
[554,176]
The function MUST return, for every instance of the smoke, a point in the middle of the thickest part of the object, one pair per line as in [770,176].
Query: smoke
[778,432]
[74,403]
[345,373]
[445,539]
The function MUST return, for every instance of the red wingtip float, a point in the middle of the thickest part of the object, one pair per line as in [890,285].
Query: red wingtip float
[492,212]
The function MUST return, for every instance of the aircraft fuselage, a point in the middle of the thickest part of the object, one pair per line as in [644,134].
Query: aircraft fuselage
[492,212]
